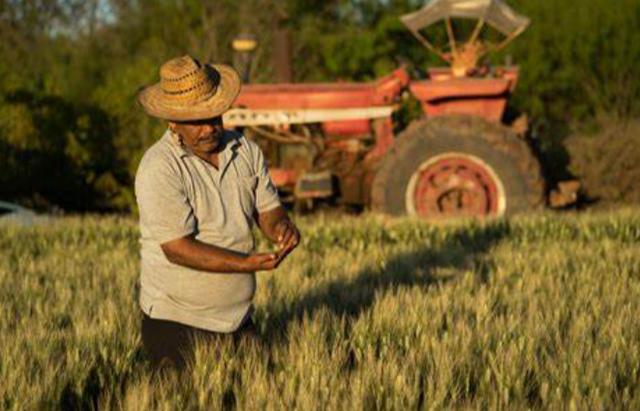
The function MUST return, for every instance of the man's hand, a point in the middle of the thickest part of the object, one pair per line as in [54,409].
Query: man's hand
[276,225]
[288,235]
[262,261]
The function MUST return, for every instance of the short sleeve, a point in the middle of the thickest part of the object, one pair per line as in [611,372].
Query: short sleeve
[266,192]
[165,211]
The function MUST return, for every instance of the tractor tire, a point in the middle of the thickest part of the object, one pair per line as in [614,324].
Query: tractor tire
[458,166]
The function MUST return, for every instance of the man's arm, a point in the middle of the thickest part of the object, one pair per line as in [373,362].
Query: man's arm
[269,213]
[189,252]
[276,226]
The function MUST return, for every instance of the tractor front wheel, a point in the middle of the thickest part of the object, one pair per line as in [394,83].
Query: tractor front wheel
[457,167]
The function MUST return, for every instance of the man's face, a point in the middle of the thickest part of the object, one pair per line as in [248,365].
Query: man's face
[200,136]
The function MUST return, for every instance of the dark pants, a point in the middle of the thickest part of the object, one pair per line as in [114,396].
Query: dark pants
[170,344]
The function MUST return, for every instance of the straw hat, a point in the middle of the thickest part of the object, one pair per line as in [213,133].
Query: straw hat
[189,90]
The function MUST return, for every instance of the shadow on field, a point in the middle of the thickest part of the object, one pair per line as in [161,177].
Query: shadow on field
[465,249]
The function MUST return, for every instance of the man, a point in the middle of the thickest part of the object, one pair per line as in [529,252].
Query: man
[199,190]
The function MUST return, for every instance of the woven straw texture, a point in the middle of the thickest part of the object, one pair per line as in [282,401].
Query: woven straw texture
[189,90]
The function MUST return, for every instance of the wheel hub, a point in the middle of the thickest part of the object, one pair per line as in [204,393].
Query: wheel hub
[455,185]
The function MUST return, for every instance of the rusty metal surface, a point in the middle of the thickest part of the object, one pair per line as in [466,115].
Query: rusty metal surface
[453,186]
[510,73]
[314,185]
[353,186]
[283,177]
[383,132]
[484,97]
[383,91]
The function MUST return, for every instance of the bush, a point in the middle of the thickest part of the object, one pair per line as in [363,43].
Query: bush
[58,153]
[80,68]
[608,161]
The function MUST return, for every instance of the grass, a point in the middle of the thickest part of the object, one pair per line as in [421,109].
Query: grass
[369,313]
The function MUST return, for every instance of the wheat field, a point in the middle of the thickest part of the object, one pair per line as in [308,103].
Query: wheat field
[536,312]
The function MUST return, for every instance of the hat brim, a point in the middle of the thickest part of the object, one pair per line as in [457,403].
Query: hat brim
[155,103]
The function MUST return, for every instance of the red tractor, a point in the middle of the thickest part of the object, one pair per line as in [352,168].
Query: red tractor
[335,141]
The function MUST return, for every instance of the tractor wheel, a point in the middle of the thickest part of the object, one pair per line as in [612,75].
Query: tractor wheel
[457,167]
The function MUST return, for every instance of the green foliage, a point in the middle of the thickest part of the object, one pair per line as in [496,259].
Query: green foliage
[91,57]
[354,41]
[608,161]
[578,59]
[368,313]
[55,148]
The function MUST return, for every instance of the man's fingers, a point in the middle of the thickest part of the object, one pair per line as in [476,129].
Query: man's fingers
[286,237]
[276,262]
[265,258]
[281,256]
[281,228]
[287,248]
[293,240]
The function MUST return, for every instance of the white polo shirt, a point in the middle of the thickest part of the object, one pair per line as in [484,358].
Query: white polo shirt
[179,194]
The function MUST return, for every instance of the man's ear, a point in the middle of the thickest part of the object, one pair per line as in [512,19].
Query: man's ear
[172,126]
